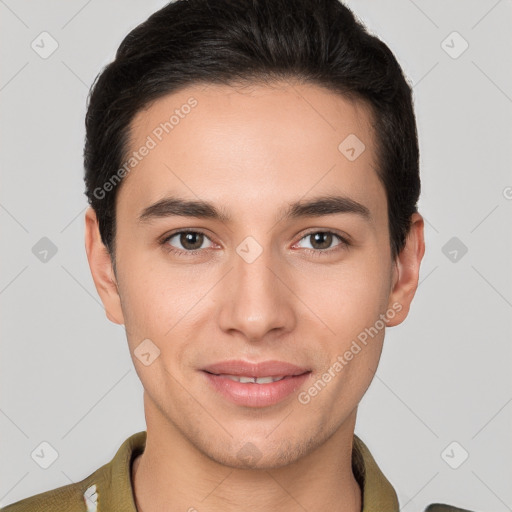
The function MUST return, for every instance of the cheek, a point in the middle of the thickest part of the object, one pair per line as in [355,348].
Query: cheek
[156,295]
[350,296]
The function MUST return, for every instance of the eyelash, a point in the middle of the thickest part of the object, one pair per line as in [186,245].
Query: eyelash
[344,243]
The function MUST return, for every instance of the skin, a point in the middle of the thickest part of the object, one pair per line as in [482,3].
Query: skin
[252,150]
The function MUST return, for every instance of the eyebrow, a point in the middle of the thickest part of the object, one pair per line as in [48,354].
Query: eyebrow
[315,207]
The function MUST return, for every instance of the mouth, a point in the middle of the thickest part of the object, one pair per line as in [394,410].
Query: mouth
[255,384]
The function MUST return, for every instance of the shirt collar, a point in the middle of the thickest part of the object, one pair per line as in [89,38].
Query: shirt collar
[114,489]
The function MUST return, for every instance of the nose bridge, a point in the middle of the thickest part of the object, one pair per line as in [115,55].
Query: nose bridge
[258,300]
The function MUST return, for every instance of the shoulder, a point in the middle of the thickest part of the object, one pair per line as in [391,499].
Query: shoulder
[68,498]
[110,484]
[378,493]
[442,507]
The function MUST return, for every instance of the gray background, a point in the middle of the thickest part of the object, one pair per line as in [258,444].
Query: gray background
[65,372]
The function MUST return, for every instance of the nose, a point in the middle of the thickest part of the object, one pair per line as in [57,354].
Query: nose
[257,298]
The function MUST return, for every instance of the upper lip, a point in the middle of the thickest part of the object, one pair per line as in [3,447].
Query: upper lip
[261,369]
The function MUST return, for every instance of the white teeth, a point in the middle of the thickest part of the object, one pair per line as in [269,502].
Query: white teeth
[259,380]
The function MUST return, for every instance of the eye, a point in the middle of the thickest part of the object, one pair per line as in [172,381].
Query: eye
[321,242]
[191,241]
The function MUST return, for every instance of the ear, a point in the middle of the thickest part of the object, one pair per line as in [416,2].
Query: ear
[406,270]
[102,272]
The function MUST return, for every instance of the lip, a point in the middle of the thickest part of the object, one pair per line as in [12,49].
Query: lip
[262,369]
[255,395]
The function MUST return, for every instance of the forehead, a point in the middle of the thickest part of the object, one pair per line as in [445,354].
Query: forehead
[238,145]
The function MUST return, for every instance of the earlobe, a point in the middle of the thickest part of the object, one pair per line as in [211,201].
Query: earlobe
[406,271]
[102,272]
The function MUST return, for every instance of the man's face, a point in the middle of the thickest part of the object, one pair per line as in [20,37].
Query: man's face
[261,286]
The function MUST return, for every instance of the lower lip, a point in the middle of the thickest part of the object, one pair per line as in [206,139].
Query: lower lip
[256,395]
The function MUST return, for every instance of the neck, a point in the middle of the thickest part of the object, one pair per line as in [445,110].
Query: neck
[173,474]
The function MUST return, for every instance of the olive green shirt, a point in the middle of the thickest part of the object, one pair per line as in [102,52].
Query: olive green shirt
[109,488]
